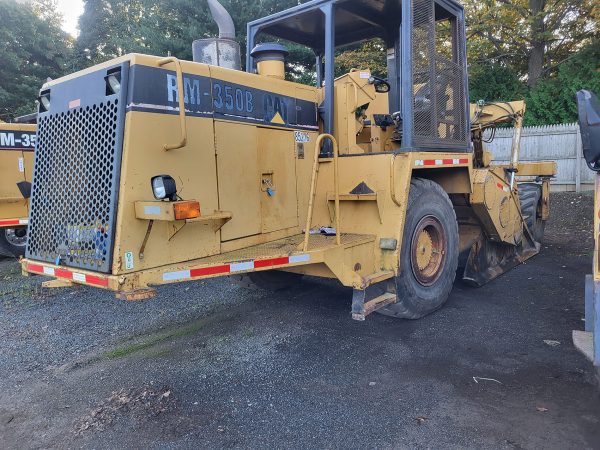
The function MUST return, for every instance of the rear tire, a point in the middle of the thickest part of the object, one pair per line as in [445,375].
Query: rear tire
[13,241]
[274,280]
[530,197]
[429,252]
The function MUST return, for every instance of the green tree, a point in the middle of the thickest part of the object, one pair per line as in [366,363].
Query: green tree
[111,28]
[553,100]
[504,42]
[494,82]
[531,36]
[34,48]
[369,55]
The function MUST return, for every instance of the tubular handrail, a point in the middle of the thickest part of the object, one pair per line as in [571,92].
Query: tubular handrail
[313,186]
[180,97]
[514,151]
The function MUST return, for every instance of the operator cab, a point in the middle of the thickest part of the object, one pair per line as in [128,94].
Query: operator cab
[426,88]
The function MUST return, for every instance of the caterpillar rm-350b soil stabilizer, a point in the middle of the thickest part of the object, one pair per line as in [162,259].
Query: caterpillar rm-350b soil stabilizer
[17,141]
[153,170]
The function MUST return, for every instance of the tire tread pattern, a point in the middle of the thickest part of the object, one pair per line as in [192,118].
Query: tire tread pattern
[529,197]
[405,306]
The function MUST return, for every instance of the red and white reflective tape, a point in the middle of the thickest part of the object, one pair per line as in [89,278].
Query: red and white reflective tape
[441,162]
[243,266]
[503,187]
[13,222]
[77,277]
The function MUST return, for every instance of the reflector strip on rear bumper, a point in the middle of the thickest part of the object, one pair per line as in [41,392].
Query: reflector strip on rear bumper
[77,277]
[440,162]
[243,266]
[13,222]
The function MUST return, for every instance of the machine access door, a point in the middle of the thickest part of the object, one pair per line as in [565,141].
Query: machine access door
[257,178]
[277,164]
[238,178]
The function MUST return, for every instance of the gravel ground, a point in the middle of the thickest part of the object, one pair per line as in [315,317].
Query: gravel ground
[42,329]
[209,364]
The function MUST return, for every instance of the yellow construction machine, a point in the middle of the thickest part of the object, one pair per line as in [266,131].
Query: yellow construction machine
[17,142]
[154,170]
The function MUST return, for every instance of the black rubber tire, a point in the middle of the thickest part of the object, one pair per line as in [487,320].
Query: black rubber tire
[530,197]
[7,248]
[274,280]
[415,300]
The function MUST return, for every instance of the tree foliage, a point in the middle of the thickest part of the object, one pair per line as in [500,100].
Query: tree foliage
[536,50]
[111,28]
[553,100]
[369,55]
[531,36]
[494,82]
[34,48]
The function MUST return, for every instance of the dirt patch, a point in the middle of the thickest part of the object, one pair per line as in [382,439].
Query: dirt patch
[572,222]
[139,405]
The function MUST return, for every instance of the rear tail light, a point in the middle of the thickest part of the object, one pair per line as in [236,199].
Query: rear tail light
[186,210]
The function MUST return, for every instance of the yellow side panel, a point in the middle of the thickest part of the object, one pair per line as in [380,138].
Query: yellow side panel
[194,170]
[10,174]
[12,203]
[278,172]
[239,178]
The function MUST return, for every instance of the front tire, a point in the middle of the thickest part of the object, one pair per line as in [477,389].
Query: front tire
[13,241]
[429,252]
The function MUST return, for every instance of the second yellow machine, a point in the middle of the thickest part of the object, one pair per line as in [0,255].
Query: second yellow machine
[153,170]
[17,142]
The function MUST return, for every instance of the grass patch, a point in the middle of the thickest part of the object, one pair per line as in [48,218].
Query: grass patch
[159,338]
[125,351]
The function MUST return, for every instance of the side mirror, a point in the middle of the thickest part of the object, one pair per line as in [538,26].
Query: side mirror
[381,85]
[588,108]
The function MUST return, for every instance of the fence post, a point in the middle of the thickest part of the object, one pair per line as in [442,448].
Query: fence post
[578,157]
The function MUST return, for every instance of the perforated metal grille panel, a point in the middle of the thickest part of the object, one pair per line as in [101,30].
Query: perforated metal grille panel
[74,186]
[439,103]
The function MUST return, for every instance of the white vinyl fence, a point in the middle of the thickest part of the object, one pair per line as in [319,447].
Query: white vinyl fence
[560,143]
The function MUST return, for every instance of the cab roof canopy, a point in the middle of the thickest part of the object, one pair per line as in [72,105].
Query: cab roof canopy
[354,21]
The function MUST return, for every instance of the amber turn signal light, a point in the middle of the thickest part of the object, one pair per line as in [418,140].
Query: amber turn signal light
[186,210]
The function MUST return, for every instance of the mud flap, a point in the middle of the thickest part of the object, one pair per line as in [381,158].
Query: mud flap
[488,260]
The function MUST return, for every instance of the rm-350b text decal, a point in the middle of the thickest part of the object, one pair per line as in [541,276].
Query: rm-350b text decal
[156,90]
[17,140]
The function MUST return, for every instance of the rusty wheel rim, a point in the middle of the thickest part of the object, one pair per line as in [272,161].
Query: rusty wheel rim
[428,250]
[16,236]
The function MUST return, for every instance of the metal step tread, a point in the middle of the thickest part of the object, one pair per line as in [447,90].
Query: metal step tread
[376,277]
[360,311]
[286,246]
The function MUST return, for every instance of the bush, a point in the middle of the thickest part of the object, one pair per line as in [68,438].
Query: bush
[552,100]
